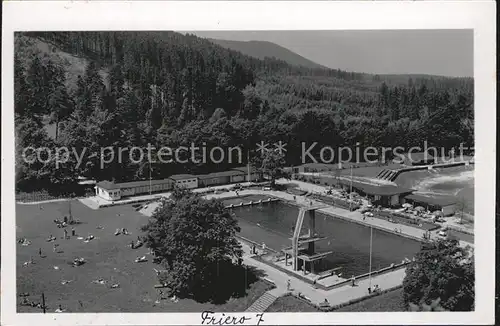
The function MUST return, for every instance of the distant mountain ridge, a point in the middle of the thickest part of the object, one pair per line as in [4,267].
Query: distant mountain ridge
[263,49]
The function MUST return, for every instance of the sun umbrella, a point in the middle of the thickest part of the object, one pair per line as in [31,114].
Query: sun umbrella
[407,205]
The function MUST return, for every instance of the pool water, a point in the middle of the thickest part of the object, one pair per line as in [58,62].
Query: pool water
[272,224]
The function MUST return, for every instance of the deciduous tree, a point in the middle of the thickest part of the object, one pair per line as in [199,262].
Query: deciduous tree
[195,240]
[442,270]
[271,164]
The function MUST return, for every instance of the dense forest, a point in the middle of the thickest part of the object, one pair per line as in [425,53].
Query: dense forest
[169,89]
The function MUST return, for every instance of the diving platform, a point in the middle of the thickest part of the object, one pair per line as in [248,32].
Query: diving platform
[303,245]
[307,239]
[314,257]
[289,250]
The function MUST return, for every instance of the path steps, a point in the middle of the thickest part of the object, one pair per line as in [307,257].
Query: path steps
[262,303]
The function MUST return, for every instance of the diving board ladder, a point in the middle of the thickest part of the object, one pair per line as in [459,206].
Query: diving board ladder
[296,236]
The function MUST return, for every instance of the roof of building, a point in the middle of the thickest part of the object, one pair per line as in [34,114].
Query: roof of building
[245,169]
[379,190]
[142,183]
[419,156]
[182,176]
[221,174]
[320,166]
[435,201]
[108,185]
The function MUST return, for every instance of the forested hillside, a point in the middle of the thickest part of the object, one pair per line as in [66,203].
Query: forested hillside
[127,89]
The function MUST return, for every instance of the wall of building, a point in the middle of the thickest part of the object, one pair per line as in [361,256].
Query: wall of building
[253,177]
[395,200]
[187,183]
[214,181]
[237,178]
[208,182]
[448,210]
[144,189]
[114,194]
[129,191]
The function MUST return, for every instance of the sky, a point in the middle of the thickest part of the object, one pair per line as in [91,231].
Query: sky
[434,52]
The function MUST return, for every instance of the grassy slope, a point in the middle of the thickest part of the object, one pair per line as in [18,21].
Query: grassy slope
[28,47]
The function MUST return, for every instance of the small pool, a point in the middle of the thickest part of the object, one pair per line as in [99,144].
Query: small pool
[350,242]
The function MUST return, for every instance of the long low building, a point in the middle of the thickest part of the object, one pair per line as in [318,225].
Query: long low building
[111,191]
[219,178]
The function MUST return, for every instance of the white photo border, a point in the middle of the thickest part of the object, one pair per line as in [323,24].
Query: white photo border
[280,15]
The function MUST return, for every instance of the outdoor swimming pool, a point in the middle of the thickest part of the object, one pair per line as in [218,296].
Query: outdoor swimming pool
[272,223]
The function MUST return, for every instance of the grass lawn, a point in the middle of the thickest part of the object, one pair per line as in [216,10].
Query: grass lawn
[391,301]
[107,256]
[34,196]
